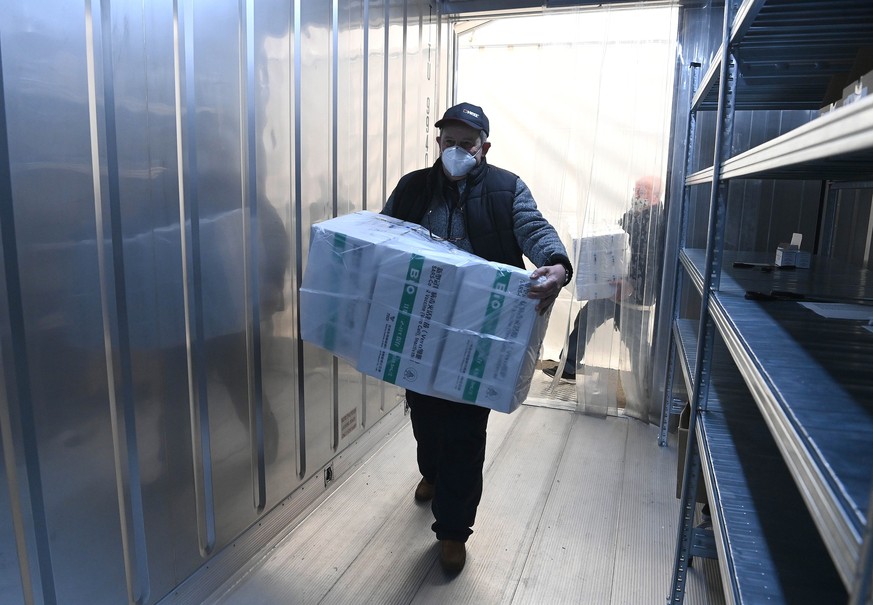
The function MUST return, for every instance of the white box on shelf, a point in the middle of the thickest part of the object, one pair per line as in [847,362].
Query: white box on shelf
[802,258]
[785,255]
[789,254]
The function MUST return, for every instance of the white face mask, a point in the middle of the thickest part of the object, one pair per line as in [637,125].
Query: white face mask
[639,203]
[458,161]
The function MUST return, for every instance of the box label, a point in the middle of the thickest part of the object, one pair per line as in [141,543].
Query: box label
[401,327]
[489,326]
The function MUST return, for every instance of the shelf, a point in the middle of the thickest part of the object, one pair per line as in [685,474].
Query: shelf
[785,422]
[836,146]
[768,547]
[788,51]
[810,379]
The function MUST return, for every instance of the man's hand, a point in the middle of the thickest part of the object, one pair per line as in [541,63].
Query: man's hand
[548,289]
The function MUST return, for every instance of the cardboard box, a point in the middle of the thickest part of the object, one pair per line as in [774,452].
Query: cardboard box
[785,255]
[493,341]
[789,254]
[419,313]
[802,259]
[600,261]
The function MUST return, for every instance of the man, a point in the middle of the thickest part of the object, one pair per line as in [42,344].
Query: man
[638,222]
[490,212]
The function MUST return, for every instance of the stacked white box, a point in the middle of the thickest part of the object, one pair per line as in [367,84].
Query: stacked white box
[493,343]
[340,275]
[600,262]
[412,303]
[422,314]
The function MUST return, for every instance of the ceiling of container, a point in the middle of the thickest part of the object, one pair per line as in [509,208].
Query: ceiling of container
[458,7]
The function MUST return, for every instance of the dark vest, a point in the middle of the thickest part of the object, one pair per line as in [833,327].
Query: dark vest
[488,200]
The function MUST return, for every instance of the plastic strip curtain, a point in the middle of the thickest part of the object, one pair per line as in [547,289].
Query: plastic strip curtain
[579,105]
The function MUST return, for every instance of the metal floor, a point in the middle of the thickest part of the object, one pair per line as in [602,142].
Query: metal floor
[575,510]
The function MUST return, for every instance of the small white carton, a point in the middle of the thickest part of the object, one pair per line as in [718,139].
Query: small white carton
[406,326]
[600,262]
[790,254]
[493,343]
[785,254]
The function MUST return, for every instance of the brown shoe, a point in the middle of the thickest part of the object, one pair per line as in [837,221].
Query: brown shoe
[453,555]
[424,490]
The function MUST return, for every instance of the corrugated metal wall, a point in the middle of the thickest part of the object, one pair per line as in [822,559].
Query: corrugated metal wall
[161,164]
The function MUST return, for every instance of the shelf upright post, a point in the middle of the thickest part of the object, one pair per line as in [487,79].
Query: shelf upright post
[706,329]
[670,405]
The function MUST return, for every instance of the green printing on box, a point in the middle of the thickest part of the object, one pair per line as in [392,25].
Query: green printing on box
[401,327]
[489,326]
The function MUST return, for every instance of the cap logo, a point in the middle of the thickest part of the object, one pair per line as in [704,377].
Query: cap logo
[475,115]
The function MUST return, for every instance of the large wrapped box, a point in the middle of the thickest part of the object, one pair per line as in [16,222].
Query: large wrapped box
[421,314]
[600,262]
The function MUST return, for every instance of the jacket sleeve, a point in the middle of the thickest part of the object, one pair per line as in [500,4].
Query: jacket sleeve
[535,235]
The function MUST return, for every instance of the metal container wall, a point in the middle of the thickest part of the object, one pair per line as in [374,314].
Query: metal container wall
[161,164]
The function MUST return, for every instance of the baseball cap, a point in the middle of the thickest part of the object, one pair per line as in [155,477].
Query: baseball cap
[471,115]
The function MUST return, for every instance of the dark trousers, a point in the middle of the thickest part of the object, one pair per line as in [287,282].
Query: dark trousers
[601,309]
[451,455]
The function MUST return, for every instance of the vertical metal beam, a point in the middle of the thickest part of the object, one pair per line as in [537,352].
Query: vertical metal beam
[365,135]
[385,75]
[17,423]
[300,416]
[333,65]
[690,137]
[365,110]
[386,54]
[113,293]
[706,329]
[403,77]
[251,248]
[189,218]
[828,222]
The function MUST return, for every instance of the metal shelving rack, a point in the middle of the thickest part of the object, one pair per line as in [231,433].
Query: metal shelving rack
[781,424]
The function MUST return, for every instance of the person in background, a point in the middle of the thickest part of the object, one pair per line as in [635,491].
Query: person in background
[638,222]
[490,212]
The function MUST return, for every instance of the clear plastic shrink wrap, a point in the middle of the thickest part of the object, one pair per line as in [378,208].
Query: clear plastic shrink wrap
[420,313]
